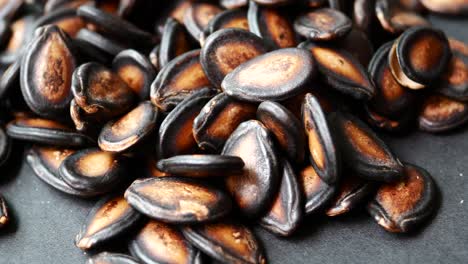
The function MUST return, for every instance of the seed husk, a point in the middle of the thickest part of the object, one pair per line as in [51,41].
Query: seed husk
[454,81]
[276,75]
[395,19]
[201,165]
[109,218]
[440,113]
[453,7]
[324,154]
[178,80]
[101,43]
[235,18]
[271,25]
[254,189]
[93,170]
[130,130]
[112,258]
[352,191]
[287,211]
[323,24]
[46,73]
[317,193]
[4,216]
[136,71]
[178,200]
[158,242]
[403,205]
[174,42]
[226,49]
[363,151]
[285,127]
[98,90]
[342,70]
[218,119]
[44,131]
[197,17]
[5,146]
[226,242]
[175,135]
[65,18]
[364,14]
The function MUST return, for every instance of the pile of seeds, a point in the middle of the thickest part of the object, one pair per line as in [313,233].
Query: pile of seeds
[196,120]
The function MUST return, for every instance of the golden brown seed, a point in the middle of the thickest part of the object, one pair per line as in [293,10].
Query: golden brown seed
[323,24]
[440,113]
[236,18]
[317,193]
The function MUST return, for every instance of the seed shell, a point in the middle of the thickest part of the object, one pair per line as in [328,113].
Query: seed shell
[317,193]
[323,24]
[351,192]
[440,113]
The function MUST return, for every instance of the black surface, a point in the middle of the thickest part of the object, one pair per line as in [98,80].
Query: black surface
[46,221]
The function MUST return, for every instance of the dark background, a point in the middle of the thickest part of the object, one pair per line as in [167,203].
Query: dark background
[46,221]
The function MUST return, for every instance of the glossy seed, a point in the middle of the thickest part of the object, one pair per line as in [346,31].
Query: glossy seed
[109,218]
[177,80]
[64,18]
[136,71]
[22,32]
[453,7]
[46,73]
[342,70]
[276,75]
[44,131]
[174,42]
[440,113]
[395,19]
[151,170]
[254,189]
[98,90]
[201,165]
[93,170]
[286,213]
[351,192]
[218,119]
[175,135]
[403,205]
[236,18]
[197,17]
[4,216]
[158,242]
[317,193]
[364,15]
[10,79]
[100,43]
[177,200]
[285,127]
[454,81]
[271,25]
[322,24]
[226,242]
[154,58]
[363,151]
[324,154]
[226,49]
[111,258]
[5,146]
[129,130]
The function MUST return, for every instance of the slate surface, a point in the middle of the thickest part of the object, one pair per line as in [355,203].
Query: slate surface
[46,221]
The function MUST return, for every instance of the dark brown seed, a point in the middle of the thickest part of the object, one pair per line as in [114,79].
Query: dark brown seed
[294,104]
[226,242]
[46,73]
[316,192]
[45,131]
[287,211]
[391,99]
[324,154]
[177,80]
[4,216]
[175,133]
[226,49]
[363,151]
[402,205]
[276,75]
[218,119]
[421,54]
[154,58]
[5,146]
[440,113]
[136,71]
[22,31]
[177,200]
[158,242]
[285,127]
[342,70]
[201,165]
[109,218]
[197,17]
[129,130]
[93,170]
[364,14]
[111,258]
[236,18]
[271,25]
[174,42]
[454,81]
[64,18]
[453,7]
[10,79]
[98,90]
[359,45]
[83,122]
[351,192]
[395,19]
[100,43]
[151,170]
[323,24]
[231,4]
[384,123]
[254,189]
